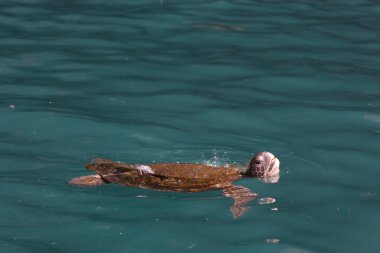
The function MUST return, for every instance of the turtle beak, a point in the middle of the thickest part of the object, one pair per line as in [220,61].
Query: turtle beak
[274,167]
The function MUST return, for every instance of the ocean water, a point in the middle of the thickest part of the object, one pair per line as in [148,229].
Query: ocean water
[190,81]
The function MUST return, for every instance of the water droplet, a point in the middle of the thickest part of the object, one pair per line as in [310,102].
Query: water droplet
[191,246]
[272,240]
[265,201]
[367,194]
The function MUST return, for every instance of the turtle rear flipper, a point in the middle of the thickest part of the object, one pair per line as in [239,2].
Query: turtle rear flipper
[101,160]
[89,181]
[106,167]
[241,196]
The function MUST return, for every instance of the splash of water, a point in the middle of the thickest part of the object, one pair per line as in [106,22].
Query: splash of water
[219,159]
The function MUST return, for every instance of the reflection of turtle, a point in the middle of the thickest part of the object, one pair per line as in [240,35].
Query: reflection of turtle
[185,177]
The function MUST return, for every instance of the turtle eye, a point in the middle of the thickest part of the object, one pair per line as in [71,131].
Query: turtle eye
[257,162]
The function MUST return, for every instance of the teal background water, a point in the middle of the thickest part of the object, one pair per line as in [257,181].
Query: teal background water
[190,81]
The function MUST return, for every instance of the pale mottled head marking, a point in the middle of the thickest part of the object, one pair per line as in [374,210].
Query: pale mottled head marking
[264,164]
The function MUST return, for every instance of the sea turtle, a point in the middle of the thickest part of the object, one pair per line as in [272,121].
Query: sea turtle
[185,177]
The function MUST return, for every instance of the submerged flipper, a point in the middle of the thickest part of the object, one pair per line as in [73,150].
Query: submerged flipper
[241,196]
[89,181]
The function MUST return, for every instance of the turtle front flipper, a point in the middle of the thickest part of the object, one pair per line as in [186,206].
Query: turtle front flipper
[241,196]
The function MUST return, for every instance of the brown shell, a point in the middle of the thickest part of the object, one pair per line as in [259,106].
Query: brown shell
[167,177]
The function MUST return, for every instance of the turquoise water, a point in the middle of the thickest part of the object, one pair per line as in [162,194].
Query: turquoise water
[190,81]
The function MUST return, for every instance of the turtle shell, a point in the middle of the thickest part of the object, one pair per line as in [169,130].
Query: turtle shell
[181,177]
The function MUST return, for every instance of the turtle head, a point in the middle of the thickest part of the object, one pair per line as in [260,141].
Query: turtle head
[264,165]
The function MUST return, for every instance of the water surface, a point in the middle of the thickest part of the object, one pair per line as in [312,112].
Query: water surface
[190,81]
